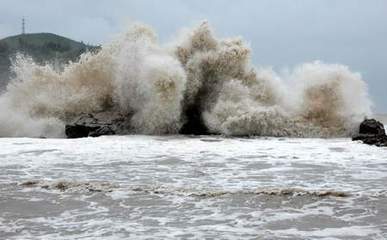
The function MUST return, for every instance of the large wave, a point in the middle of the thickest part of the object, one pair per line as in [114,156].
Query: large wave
[199,81]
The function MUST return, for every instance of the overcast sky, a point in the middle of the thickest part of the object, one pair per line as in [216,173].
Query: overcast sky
[282,33]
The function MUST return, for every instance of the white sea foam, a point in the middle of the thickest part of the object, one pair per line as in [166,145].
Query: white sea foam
[174,187]
[156,85]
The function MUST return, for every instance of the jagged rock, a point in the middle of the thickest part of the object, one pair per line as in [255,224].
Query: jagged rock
[372,132]
[98,124]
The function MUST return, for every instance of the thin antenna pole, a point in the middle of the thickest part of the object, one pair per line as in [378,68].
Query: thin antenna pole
[23,26]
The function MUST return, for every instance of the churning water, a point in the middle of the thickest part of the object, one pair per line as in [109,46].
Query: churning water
[175,187]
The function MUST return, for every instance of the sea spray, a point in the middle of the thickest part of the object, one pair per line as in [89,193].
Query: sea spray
[148,82]
[200,80]
[235,98]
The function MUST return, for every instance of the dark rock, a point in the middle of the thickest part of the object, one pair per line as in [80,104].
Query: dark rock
[372,132]
[78,131]
[194,124]
[102,131]
[380,141]
[98,124]
[373,127]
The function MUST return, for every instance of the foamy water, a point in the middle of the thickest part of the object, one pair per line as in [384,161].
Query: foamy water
[175,187]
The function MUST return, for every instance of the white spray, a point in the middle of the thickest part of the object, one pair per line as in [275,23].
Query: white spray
[135,76]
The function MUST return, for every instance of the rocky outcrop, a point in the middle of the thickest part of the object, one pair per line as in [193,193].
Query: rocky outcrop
[372,132]
[113,123]
[99,124]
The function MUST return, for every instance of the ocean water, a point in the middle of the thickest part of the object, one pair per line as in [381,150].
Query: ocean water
[178,187]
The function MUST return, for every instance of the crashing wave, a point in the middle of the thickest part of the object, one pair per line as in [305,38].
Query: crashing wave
[201,82]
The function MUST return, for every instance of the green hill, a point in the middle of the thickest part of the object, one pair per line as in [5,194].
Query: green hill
[42,47]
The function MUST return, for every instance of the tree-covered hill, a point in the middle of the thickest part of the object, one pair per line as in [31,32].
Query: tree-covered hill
[42,47]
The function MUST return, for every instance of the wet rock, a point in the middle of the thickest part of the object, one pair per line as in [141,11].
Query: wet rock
[194,124]
[373,127]
[78,131]
[99,124]
[372,132]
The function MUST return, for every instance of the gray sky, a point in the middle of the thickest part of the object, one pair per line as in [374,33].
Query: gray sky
[282,33]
